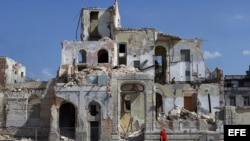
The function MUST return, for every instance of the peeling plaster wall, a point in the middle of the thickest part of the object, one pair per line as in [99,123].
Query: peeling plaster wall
[14,72]
[139,47]
[26,106]
[144,112]
[81,97]
[104,22]
[196,64]
[174,95]
[16,111]
[70,50]
[236,115]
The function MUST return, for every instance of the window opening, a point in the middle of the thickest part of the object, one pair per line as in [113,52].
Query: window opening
[246,100]
[82,58]
[160,64]
[93,110]
[122,48]
[185,55]
[103,56]
[232,101]
[94,35]
[122,57]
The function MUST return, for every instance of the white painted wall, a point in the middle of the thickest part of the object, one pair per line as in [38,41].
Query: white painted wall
[11,76]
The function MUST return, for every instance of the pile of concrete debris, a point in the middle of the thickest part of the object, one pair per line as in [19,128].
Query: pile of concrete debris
[9,138]
[125,69]
[181,113]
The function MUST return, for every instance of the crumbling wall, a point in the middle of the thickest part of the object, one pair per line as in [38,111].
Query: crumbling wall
[139,48]
[140,117]
[25,110]
[236,115]
[190,70]
[81,97]
[3,66]
[13,72]
[2,109]
[104,22]
[207,96]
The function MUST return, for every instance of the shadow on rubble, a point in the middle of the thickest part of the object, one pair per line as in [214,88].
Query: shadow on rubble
[37,126]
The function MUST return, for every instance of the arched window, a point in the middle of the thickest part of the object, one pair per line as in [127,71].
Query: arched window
[103,56]
[160,64]
[82,56]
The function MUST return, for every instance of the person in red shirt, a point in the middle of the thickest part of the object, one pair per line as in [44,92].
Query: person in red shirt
[163,134]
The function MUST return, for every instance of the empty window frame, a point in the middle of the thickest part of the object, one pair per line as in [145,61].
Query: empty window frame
[185,55]
[122,48]
[94,108]
[122,57]
[246,100]
[82,56]
[94,25]
[187,73]
[232,101]
[137,64]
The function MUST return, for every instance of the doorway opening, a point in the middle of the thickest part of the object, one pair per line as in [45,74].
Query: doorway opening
[67,120]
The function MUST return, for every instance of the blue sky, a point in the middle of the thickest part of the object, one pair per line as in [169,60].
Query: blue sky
[31,31]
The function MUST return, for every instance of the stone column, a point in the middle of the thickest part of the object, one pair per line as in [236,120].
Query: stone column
[54,126]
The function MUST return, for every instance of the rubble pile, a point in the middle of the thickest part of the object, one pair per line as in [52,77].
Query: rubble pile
[181,113]
[9,138]
[80,76]
[125,69]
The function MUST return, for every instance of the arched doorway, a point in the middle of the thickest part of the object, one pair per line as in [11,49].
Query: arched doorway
[160,64]
[67,120]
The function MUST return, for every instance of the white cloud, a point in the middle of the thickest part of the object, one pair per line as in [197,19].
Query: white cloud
[246,52]
[47,73]
[211,55]
[239,18]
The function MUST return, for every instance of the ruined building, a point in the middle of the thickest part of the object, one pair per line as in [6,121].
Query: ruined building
[120,83]
[11,71]
[237,89]
[237,95]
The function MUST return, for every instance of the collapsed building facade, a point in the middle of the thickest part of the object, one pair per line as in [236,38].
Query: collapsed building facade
[120,83]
